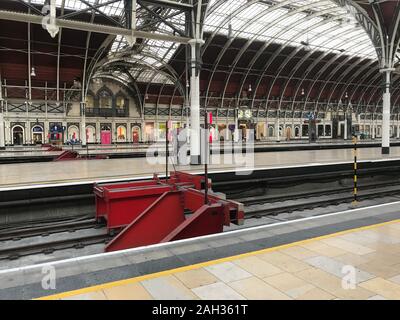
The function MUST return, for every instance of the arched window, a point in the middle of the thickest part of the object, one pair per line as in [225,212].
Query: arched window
[121,134]
[18,135]
[37,134]
[90,134]
[120,101]
[296,131]
[105,99]
[271,131]
[89,101]
[328,130]
[73,133]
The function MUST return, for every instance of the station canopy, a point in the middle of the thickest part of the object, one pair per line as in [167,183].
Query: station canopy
[316,24]
[288,50]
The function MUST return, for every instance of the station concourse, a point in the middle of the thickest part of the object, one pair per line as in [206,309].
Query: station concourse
[199,150]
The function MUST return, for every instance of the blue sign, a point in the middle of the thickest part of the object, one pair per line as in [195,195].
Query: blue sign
[56,129]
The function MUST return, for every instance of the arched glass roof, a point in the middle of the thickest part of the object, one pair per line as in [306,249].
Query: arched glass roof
[319,24]
[316,24]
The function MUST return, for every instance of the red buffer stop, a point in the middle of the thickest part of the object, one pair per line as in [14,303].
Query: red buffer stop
[148,212]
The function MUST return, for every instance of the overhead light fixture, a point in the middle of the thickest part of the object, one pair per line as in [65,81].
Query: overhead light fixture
[347,95]
[33,72]
[230,31]
[302,92]
[250,89]
[306,45]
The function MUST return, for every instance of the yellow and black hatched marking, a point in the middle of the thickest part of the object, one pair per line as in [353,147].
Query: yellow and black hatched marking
[355,171]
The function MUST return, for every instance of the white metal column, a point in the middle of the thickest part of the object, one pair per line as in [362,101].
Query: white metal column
[83,125]
[236,131]
[386,112]
[277,133]
[2,139]
[195,103]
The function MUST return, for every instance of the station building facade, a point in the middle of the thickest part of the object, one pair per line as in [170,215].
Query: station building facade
[113,116]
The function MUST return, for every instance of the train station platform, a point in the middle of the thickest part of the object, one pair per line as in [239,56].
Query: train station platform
[117,151]
[353,254]
[35,175]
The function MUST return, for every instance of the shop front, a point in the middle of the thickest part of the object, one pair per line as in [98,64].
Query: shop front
[105,134]
[37,135]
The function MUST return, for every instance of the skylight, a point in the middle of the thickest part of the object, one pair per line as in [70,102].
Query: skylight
[319,24]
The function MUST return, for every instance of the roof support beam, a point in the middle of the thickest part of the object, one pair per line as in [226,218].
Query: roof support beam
[91,27]
[170,4]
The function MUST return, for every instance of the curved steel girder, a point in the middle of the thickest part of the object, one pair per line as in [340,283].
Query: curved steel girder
[128,64]
[133,59]
[224,22]
[309,69]
[383,34]
[379,78]
[223,52]
[366,22]
[230,41]
[322,87]
[320,72]
[209,40]
[317,75]
[172,70]
[341,77]
[85,78]
[364,78]
[143,65]
[397,101]
[92,66]
[354,76]
[370,84]
[283,17]
[395,32]
[273,57]
[371,96]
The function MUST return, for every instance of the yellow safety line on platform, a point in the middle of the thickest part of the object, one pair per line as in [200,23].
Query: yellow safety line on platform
[205,264]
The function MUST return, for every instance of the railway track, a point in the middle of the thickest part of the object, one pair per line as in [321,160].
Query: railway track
[18,251]
[306,194]
[17,240]
[17,233]
[263,206]
[81,230]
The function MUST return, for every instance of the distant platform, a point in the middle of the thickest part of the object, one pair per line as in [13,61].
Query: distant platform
[120,151]
[28,175]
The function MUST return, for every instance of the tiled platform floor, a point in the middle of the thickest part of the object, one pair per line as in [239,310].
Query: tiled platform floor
[305,270]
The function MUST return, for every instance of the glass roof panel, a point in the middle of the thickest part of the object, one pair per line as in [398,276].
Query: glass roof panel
[290,22]
[321,24]
[112,9]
